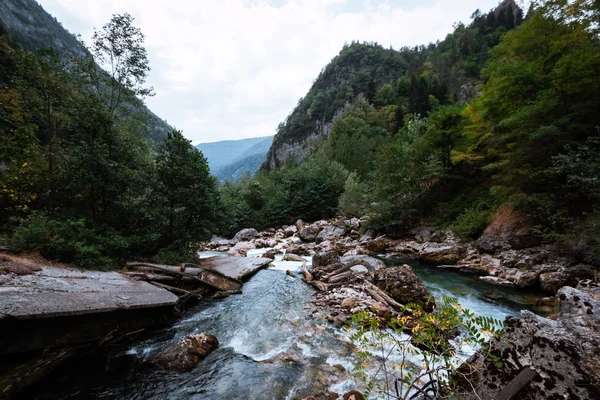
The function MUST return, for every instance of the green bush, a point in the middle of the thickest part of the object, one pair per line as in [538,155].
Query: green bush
[70,240]
[473,221]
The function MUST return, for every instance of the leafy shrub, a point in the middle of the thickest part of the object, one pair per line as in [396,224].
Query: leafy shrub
[426,358]
[70,240]
[473,221]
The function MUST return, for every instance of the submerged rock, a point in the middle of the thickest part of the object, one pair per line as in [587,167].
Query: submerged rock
[187,353]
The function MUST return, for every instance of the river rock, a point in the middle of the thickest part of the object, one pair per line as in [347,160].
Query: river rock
[290,230]
[436,253]
[308,233]
[271,253]
[353,395]
[245,235]
[496,280]
[325,258]
[403,285]
[330,232]
[187,353]
[378,245]
[293,257]
[521,279]
[509,228]
[566,275]
[372,263]
[563,354]
[240,249]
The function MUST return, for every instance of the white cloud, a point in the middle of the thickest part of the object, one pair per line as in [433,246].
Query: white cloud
[227,69]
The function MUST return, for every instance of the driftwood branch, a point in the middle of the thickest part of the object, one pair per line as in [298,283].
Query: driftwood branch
[380,295]
[307,275]
[177,290]
[164,268]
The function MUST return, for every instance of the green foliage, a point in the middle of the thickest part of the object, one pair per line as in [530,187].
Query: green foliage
[185,193]
[70,240]
[405,362]
[354,201]
[473,221]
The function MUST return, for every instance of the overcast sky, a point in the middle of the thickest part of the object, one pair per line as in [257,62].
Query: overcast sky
[232,69]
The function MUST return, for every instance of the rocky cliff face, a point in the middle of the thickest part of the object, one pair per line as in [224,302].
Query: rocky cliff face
[359,70]
[33,28]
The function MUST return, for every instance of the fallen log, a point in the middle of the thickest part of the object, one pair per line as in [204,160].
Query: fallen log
[177,290]
[146,276]
[341,277]
[197,273]
[320,286]
[337,272]
[385,298]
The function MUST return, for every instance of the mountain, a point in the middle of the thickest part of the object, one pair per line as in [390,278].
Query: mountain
[229,160]
[29,25]
[443,72]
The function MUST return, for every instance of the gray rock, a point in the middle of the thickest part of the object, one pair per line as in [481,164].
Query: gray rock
[308,233]
[436,253]
[245,235]
[566,275]
[563,353]
[325,258]
[330,232]
[370,262]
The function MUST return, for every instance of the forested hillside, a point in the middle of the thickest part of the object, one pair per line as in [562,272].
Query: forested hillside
[31,27]
[445,72]
[503,112]
[80,178]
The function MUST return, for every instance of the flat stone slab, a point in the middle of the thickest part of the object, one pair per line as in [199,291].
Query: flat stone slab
[55,292]
[239,268]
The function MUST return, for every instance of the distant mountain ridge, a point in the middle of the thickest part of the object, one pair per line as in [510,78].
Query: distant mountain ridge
[34,28]
[230,160]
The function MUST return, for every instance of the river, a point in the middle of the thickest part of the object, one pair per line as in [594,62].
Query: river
[272,345]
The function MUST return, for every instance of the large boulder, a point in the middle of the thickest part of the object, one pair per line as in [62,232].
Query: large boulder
[551,281]
[403,285]
[325,258]
[187,353]
[245,235]
[551,359]
[290,230]
[240,249]
[440,253]
[372,263]
[330,232]
[378,245]
[324,263]
[308,233]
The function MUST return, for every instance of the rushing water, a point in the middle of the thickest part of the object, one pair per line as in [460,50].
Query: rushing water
[272,345]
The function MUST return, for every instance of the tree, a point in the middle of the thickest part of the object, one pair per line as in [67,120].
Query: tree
[118,48]
[186,192]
